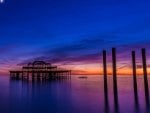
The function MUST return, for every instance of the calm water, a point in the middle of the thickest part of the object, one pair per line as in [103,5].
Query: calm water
[75,96]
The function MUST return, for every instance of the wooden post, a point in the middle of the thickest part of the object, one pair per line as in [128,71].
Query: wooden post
[134,77]
[38,76]
[145,76]
[105,77]
[70,74]
[33,76]
[27,75]
[115,77]
[17,76]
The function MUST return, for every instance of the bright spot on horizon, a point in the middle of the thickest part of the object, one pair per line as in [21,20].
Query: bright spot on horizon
[1,1]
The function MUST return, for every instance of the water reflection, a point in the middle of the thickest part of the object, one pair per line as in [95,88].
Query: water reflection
[75,96]
[106,103]
[136,104]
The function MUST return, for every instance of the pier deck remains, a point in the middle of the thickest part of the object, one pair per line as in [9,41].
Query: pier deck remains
[40,70]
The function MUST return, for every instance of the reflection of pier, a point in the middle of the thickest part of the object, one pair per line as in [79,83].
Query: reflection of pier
[40,70]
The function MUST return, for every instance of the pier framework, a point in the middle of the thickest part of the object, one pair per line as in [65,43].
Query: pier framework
[40,70]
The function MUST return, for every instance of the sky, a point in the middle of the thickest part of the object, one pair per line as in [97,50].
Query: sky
[73,33]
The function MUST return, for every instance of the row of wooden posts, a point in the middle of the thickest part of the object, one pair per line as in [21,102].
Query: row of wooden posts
[114,67]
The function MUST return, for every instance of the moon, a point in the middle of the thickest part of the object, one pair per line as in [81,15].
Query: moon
[1,1]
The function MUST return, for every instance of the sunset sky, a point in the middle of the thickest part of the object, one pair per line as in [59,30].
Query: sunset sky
[73,33]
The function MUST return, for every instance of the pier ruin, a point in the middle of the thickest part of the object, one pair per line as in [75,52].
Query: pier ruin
[40,70]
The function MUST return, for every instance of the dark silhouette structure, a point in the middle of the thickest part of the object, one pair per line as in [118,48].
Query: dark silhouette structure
[105,77]
[145,76]
[114,73]
[134,78]
[40,70]
[114,76]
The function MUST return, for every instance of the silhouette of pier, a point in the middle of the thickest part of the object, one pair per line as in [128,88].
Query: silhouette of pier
[40,70]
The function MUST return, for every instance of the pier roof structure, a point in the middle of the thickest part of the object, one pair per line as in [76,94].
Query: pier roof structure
[39,69]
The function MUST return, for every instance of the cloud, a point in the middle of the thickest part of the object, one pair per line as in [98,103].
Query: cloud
[86,50]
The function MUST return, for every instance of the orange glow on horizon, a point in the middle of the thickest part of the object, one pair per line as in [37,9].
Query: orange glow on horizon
[85,69]
[98,70]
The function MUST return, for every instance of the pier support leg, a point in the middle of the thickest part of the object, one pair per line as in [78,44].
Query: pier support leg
[145,76]
[105,77]
[27,75]
[33,76]
[17,76]
[134,78]
[115,79]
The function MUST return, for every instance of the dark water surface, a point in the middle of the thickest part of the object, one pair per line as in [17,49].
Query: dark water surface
[75,96]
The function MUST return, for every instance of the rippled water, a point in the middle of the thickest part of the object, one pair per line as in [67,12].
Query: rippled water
[75,96]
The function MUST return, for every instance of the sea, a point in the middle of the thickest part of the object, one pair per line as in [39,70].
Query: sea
[78,95]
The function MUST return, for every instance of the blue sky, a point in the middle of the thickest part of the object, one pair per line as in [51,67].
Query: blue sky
[70,31]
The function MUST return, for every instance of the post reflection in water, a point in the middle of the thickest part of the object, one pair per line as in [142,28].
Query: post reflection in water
[75,96]
[127,101]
